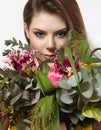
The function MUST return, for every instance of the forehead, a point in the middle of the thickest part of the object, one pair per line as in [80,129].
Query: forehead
[43,19]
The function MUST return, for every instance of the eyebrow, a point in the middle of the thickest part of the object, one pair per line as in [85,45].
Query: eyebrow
[62,29]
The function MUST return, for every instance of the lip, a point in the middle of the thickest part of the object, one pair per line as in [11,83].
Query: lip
[47,56]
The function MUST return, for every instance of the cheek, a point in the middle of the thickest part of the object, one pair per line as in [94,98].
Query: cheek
[61,43]
[36,44]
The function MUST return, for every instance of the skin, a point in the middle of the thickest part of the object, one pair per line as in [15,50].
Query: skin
[47,34]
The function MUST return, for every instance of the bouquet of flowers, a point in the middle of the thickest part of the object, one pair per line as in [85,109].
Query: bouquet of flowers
[33,93]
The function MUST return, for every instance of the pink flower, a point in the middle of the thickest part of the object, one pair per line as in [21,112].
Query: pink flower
[54,76]
[22,61]
[36,62]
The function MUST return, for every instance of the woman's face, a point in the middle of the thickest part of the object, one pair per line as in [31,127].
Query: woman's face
[47,33]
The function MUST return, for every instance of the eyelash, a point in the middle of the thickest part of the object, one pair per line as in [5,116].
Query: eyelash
[39,34]
[60,34]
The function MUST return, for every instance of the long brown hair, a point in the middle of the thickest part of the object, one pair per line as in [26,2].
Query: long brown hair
[68,10]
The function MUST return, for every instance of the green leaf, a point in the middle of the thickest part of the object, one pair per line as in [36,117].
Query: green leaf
[89,60]
[69,55]
[7,94]
[73,118]
[25,95]
[12,43]
[80,116]
[61,55]
[15,99]
[45,115]
[6,52]
[97,85]
[87,84]
[92,110]
[95,65]
[65,106]
[63,83]
[77,44]
[97,80]
[66,109]
[72,80]
[65,98]
[44,67]
[80,102]
[87,89]
[30,85]
[44,83]
[36,98]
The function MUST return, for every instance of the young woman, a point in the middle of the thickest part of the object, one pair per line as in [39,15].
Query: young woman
[46,23]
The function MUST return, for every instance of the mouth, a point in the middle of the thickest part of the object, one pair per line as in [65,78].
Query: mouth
[49,57]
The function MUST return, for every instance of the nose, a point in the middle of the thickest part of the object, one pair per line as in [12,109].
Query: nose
[51,45]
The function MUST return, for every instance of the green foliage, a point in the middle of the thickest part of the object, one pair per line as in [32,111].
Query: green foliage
[45,114]
[92,110]
[44,68]
[72,101]
[61,55]
[78,95]
[81,91]
[97,49]
[44,83]
[78,45]
[14,43]
[16,91]
[69,55]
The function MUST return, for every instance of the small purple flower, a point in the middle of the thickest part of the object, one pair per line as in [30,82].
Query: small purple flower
[22,61]
[66,62]
[63,68]
[58,66]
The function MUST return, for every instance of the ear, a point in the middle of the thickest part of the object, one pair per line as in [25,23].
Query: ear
[26,29]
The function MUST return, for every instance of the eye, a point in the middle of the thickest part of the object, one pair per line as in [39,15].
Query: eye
[61,34]
[39,34]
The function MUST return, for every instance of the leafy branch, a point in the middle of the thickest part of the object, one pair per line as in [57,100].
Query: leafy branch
[16,43]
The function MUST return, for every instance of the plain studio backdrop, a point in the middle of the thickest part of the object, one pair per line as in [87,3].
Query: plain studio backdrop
[11,21]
